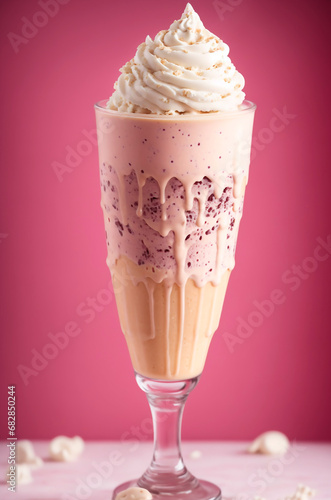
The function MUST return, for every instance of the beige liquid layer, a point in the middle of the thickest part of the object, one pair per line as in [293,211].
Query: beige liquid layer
[168,329]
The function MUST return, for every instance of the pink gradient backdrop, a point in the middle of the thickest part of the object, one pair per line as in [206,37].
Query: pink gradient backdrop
[52,246]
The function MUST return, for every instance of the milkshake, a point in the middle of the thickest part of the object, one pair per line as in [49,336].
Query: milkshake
[172,196]
[174,154]
[174,150]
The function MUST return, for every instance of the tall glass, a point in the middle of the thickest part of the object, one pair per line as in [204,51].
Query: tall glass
[172,196]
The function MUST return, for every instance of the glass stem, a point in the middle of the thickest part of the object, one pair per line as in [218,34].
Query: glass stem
[167,400]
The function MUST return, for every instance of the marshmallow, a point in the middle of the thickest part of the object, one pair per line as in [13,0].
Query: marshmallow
[134,494]
[270,443]
[302,493]
[25,454]
[22,474]
[65,449]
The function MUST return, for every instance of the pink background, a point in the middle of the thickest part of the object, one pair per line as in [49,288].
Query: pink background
[52,246]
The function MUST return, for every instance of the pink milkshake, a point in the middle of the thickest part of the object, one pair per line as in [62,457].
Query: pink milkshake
[174,154]
[172,196]
[174,150]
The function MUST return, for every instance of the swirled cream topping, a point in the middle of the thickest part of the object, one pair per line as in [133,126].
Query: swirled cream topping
[185,69]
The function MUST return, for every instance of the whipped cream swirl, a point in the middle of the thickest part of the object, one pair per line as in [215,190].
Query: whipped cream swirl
[185,69]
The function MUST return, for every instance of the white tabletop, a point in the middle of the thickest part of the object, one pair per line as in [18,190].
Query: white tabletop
[240,475]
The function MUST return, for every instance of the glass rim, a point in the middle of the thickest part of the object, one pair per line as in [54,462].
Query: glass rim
[245,107]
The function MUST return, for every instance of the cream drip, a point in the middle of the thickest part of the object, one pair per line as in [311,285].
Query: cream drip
[177,193]
[164,226]
[197,327]
[181,328]
[167,323]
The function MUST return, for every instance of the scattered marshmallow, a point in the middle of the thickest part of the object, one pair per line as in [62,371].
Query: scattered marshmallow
[65,449]
[302,493]
[25,454]
[270,443]
[134,494]
[22,474]
[195,454]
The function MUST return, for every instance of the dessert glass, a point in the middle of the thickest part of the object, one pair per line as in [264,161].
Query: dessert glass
[172,190]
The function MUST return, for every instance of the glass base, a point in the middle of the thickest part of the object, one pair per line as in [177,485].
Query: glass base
[167,477]
[202,490]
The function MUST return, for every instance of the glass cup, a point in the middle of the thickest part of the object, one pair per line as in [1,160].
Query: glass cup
[172,191]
